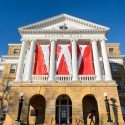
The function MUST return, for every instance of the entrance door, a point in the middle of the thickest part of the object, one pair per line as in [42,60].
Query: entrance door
[63,110]
[63,114]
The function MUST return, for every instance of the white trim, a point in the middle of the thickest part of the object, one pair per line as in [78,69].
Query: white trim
[14,44]
[112,43]
[63,17]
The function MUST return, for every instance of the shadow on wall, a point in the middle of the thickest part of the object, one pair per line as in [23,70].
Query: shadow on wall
[90,104]
[115,109]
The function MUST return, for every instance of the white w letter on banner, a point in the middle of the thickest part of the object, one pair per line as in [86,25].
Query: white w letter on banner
[67,55]
[45,50]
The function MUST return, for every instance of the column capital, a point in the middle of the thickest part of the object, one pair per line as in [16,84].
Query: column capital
[23,40]
[103,40]
[94,40]
[53,40]
[34,40]
[73,39]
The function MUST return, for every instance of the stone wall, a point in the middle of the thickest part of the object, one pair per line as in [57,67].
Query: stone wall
[76,92]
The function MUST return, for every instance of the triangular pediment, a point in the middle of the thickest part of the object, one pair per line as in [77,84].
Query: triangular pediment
[62,22]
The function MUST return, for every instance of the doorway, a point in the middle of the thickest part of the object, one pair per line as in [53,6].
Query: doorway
[63,110]
[37,105]
[90,105]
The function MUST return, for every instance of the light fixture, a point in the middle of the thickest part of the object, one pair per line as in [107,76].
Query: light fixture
[21,94]
[105,94]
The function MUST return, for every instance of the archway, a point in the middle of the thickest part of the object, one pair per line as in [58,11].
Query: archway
[37,106]
[90,105]
[63,110]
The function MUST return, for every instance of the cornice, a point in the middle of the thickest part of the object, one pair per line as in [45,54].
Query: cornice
[68,31]
[116,56]
[14,44]
[112,43]
[10,56]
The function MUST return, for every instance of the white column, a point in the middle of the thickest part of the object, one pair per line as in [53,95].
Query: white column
[96,61]
[74,61]
[52,69]
[30,61]
[19,73]
[108,76]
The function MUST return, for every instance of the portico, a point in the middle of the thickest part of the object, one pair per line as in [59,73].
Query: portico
[52,73]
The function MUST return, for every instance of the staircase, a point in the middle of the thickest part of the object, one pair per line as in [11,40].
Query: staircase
[77,121]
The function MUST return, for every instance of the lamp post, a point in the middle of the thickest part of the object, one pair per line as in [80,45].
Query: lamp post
[20,106]
[107,107]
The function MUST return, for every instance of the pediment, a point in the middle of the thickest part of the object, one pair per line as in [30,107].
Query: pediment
[63,22]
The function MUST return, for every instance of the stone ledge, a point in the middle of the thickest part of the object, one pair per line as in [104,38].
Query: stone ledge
[74,84]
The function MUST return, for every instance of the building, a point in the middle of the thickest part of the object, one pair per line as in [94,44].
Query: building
[63,65]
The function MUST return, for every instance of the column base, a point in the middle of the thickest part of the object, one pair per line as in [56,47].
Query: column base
[17,80]
[17,123]
[75,79]
[27,81]
[51,80]
[108,80]
[110,123]
[99,80]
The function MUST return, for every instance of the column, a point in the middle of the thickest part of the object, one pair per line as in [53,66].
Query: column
[19,73]
[108,76]
[96,61]
[74,61]
[52,61]
[30,61]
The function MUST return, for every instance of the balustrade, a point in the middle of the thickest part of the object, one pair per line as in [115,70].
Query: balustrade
[63,78]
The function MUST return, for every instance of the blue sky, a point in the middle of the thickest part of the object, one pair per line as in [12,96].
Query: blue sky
[17,13]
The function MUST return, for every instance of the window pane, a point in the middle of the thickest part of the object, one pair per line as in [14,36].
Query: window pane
[16,51]
[115,68]
[1,73]
[63,102]
[13,69]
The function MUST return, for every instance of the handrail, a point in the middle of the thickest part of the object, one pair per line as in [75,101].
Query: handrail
[79,121]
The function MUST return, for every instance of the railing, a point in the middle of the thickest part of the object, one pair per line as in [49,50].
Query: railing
[39,78]
[63,78]
[78,121]
[87,78]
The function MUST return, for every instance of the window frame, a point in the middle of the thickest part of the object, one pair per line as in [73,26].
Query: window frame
[18,51]
[13,68]
[111,51]
[115,69]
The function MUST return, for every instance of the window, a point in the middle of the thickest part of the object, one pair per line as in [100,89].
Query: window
[1,73]
[111,50]
[115,69]
[13,69]
[119,83]
[16,51]
[9,84]
[63,27]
